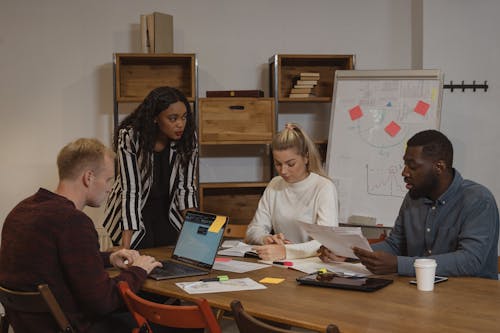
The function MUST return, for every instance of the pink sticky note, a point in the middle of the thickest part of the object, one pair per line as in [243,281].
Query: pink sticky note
[392,129]
[356,112]
[222,259]
[422,108]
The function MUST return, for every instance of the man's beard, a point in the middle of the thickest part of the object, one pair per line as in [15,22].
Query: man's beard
[425,189]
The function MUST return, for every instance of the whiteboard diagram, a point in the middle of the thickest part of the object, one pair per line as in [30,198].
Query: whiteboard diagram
[374,114]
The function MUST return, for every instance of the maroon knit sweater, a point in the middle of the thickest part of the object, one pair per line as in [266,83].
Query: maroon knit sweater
[45,239]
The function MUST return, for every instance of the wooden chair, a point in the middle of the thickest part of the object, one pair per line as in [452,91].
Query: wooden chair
[376,240]
[41,301]
[248,324]
[177,316]
[236,231]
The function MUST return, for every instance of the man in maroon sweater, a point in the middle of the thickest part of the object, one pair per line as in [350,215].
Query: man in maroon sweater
[47,238]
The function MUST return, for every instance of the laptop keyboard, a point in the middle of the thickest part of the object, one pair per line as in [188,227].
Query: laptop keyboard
[172,268]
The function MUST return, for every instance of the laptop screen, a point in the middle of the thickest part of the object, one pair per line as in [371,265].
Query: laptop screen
[195,243]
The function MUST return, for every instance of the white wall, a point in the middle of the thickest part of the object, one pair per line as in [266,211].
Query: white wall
[461,38]
[56,71]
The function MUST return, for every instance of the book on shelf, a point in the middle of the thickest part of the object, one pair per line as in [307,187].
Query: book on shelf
[309,82]
[296,95]
[307,90]
[157,33]
[303,86]
[310,74]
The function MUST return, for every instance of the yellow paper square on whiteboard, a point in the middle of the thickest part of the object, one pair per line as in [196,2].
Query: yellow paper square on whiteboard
[217,223]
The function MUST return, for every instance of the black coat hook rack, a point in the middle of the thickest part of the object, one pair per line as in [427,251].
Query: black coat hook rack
[464,86]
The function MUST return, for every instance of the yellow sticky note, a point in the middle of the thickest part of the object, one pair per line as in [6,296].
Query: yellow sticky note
[271,280]
[217,223]
[433,94]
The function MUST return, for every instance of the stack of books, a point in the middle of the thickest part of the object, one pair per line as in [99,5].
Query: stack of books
[304,84]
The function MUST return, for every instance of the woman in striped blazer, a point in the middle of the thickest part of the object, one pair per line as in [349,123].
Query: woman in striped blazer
[157,166]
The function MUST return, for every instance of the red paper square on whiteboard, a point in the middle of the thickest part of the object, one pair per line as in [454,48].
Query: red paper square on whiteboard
[356,112]
[422,108]
[392,129]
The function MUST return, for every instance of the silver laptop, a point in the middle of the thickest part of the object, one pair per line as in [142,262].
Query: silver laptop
[195,250]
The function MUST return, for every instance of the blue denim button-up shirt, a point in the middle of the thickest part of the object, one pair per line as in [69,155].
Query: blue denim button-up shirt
[459,230]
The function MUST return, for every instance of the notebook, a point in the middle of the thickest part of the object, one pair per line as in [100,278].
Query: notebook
[196,248]
[333,280]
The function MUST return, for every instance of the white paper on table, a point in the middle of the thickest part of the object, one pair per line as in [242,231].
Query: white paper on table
[237,266]
[339,240]
[314,264]
[231,243]
[238,250]
[200,287]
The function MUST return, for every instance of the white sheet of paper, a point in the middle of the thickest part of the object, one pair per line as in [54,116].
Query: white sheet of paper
[237,266]
[200,287]
[237,250]
[337,240]
[231,243]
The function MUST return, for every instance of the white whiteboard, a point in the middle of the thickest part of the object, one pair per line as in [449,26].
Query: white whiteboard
[374,113]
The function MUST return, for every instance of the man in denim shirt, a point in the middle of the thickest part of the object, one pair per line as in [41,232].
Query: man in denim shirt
[443,216]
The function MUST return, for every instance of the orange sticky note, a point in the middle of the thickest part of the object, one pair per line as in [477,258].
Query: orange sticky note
[422,108]
[271,280]
[217,223]
[392,129]
[356,112]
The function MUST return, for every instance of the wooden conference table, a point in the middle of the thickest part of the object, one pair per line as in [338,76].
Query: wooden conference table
[457,305]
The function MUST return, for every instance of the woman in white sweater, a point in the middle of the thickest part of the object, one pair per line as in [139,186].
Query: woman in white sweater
[301,192]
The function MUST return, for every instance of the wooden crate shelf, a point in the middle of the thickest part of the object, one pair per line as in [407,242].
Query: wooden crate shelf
[138,73]
[291,65]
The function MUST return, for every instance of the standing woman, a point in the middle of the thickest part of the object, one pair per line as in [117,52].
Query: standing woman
[301,192]
[155,182]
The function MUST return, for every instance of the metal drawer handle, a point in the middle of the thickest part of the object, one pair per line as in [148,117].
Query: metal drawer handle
[237,107]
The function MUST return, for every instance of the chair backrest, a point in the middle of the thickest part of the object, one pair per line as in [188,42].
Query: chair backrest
[236,231]
[41,301]
[178,316]
[377,240]
[248,324]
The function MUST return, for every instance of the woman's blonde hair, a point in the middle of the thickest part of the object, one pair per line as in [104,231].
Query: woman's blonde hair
[294,137]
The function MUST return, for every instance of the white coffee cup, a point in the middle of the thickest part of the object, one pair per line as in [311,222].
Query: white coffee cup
[425,270]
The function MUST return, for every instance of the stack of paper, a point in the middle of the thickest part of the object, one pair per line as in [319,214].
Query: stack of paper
[200,287]
[339,240]
[314,264]
[235,249]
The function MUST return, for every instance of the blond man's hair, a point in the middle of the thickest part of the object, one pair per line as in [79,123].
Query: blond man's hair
[294,137]
[80,155]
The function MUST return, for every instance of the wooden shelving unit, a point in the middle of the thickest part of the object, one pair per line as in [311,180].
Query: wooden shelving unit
[237,122]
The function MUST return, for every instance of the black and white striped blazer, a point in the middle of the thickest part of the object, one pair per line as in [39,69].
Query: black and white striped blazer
[123,210]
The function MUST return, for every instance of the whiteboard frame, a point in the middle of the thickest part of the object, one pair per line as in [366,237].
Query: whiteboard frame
[420,74]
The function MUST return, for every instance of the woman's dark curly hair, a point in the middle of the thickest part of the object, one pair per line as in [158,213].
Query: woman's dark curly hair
[142,121]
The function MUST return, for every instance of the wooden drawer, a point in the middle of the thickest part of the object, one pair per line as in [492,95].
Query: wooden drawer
[236,120]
